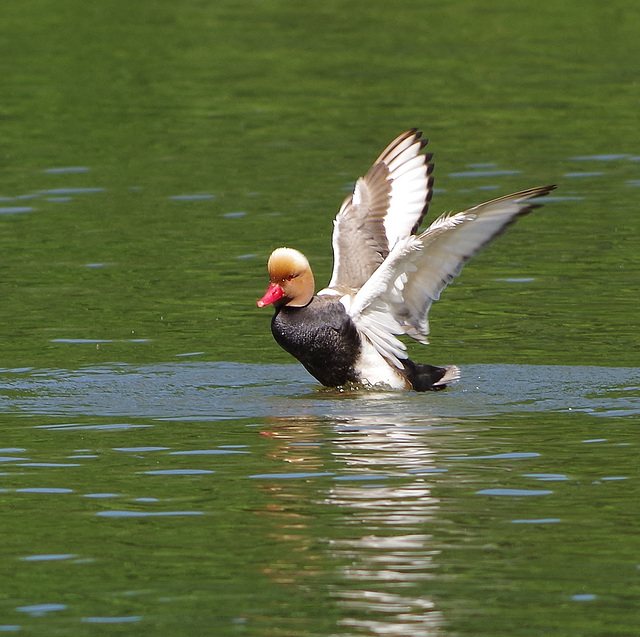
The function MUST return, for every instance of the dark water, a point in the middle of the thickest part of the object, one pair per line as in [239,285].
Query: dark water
[166,469]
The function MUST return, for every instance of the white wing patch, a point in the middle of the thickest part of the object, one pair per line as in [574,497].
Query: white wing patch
[397,298]
[386,206]
[372,308]
[410,192]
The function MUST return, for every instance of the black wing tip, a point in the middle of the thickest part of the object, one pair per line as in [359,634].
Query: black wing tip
[543,191]
[430,166]
[527,196]
[532,195]
[417,134]
[412,132]
[429,188]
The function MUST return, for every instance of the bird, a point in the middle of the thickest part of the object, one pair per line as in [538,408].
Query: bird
[385,275]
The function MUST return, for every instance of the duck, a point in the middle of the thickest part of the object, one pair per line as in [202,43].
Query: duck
[386,275]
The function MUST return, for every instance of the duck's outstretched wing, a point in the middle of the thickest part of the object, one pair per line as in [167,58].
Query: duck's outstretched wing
[397,298]
[386,206]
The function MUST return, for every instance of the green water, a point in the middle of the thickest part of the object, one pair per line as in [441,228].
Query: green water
[166,468]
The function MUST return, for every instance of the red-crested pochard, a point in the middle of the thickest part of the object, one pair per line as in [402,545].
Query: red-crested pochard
[385,276]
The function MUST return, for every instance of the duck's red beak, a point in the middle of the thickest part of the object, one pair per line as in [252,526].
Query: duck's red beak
[273,293]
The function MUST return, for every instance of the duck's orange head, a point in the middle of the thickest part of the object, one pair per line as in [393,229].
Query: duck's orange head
[291,279]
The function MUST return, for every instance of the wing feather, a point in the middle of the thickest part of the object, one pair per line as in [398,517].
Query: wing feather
[387,205]
[399,294]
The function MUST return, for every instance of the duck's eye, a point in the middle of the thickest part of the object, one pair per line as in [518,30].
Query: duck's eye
[289,278]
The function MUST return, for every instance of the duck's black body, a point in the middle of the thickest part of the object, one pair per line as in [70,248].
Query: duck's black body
[322,336]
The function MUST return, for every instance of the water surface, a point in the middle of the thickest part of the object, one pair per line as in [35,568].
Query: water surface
[167,469]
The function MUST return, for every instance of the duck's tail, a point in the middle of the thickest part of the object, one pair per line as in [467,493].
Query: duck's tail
[425,377]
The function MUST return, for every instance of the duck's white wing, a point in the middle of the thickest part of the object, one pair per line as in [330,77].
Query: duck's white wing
[387,205]
[397,298]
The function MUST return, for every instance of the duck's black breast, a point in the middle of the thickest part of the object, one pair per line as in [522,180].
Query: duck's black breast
[322,337]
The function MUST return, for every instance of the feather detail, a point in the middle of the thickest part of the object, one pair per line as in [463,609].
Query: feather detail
[386,206]
[397,297]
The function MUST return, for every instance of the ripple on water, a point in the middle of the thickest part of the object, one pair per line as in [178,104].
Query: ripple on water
[207,452]
[514,492]
[146,514]
[484,173]
[51,557]
[560,198]
[140,449]
[583,175]
[197,197]
[360,478]
[49,464]
[38,610]
[177,472]
[82,341]
[289,476]
[106,427]
[499,456]
[14,210]
[126,619]
[44,490]
[66,169]
[547,477]
[70,191]
[613,157]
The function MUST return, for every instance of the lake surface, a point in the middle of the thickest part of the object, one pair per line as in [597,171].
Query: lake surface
[167,469]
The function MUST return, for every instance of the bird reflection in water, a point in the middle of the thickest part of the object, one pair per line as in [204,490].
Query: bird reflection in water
[354,505]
